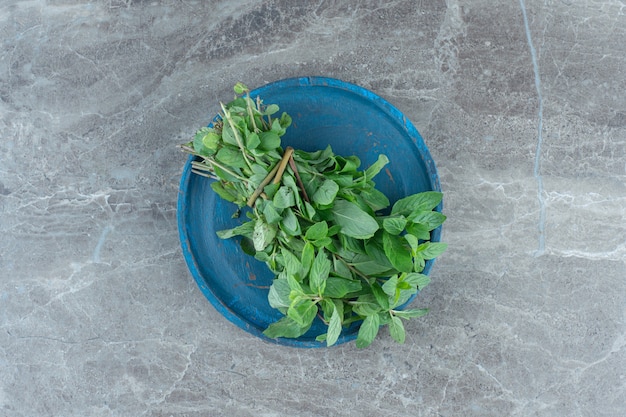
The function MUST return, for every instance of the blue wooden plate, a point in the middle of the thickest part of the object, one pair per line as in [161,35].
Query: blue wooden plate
[354,121]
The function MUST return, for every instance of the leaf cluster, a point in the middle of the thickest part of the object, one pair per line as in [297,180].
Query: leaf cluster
[315,220]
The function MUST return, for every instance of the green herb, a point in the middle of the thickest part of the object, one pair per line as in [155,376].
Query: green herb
[314,219]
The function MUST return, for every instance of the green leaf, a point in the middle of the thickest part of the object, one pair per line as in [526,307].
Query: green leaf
[278,295]
[390,286]
[231,157]
[430,219]
[430,250]
[271,189]
[354,222]
[334,328]
[303,311]
[253,141]
[341,269]
[246,229]
[319,272]
[228,136]
[375,199]
[349,164]
[370,267]
[262,235]
[417,280]
[271,109]
[308,255]
[417,202]
[411,313]
[366,305]
[296,288]
[271,215]
[277,128]
[309,210]
[368,331]
[394,225]
[381,297]
[339,287]
[226,194]
[412,241]
[398,252]
[420,231]
[290,224]
[376,167]
[396,330]
[240,88]
[290,261]
[269,141]
[247,246]
[205,141]
[317,231]
[374,250]
[285,120]
[286,327]
[284,198]
[326,193]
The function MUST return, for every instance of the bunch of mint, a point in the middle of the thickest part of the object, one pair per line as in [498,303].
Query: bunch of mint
[315,220]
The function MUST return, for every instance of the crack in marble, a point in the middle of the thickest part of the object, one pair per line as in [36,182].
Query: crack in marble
[96,253]
[537,168]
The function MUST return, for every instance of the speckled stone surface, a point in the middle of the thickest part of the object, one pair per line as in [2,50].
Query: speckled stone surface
[522,104]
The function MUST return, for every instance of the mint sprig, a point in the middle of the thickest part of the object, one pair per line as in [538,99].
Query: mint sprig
[315,220]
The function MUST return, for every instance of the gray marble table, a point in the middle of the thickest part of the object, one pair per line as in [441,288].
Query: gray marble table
[522,104]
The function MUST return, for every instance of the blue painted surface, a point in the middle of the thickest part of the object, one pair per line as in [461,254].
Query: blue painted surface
[354,121]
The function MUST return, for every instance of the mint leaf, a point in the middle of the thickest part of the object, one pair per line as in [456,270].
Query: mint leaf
[262,235]
[417,280]
[269,141]
[240,88]
[245,229]
[424,201]
[271,215]
[394,225]
[368,331]
[308,254]
[420,231]
[285,327]
[319,272]
[278,295]
[326,193]
[231,156]
[366,305]
[303,311]
[317,231]
[289,224]
[354,222]
[390,286]
[284,198]
[227,195]
[412,313]
[339,287]
[376,167]
[334,328]
[381,297]
[271,109]
[398,252]
[430,250]
[291,262]
[396,330]
[429,219]
[375,199]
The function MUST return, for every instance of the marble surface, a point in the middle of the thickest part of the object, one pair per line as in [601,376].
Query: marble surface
[522,105]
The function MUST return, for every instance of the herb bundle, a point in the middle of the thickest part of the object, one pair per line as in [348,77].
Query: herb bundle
[315,220]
